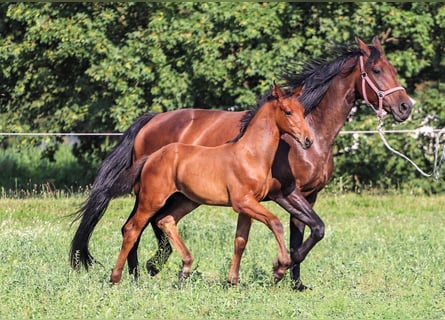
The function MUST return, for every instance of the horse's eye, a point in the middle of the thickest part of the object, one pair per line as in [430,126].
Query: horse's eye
[287,112]
[376,71]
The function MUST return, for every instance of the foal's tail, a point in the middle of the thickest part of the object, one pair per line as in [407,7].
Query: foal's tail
[115,178]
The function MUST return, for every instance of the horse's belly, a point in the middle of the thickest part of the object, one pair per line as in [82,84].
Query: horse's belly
[203,187]
[206,194]
[317,178]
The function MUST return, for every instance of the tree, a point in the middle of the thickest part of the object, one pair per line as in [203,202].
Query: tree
[95,67]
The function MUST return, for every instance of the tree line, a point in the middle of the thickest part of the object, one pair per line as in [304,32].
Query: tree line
[95,67]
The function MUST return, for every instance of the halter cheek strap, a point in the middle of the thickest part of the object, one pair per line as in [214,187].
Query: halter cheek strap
[380,94]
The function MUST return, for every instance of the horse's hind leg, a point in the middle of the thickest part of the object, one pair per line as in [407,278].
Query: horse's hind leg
[131,232]
[147,207]
[133,255]
[155,264]
[178,206]
[132,260]
[241,237]
[168,225]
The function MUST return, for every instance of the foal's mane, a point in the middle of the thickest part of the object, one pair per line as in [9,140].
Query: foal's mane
[316,74]
[248,116]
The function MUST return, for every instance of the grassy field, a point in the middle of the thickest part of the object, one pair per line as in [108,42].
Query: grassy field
[382,257]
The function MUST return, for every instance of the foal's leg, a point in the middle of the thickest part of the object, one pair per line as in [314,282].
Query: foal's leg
[147,206]
[133,254]
[155,263]
[255,210]
[168,224]
[242,235]
[131,233]
[178,206]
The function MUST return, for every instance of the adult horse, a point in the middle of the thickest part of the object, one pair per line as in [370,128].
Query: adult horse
[331,88]
[236,174]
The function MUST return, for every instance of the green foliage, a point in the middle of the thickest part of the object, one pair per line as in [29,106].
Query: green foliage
[95,67]
[382,251]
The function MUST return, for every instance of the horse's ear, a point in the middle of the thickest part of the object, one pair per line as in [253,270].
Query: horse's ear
[377,45]
[363,46]
[297,91]
[277,92]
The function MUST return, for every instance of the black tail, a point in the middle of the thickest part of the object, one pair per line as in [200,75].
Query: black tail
[111,181]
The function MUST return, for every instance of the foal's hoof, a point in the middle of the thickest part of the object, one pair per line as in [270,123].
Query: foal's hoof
[233,282]
[115,279]
[278,271]
[230,284]
[152,268]
[298,285]
[182,276]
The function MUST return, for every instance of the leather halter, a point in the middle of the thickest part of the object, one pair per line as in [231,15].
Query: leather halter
[380,93]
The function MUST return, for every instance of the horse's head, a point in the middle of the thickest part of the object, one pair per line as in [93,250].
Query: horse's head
[378,82]
[290,117]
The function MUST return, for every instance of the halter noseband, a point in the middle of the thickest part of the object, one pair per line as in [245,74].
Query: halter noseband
[380,94]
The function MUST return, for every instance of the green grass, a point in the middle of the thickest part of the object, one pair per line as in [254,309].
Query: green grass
[382,257]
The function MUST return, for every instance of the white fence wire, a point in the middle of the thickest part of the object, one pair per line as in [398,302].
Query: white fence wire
[80,134]
[427,131]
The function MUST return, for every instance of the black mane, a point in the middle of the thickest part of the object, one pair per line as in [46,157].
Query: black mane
[317,74]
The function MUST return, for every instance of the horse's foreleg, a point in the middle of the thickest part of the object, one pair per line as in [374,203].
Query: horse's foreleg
[301,214]
[256,211]
[241,237]
[168,225]
[296,235]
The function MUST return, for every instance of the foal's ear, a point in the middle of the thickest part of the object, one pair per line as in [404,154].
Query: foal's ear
[277,92]
[363,47]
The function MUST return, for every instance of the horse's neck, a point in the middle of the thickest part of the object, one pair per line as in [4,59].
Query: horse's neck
[262,136]
[327,119]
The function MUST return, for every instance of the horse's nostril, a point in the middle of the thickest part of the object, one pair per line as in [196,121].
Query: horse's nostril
[307,142]
[404,107]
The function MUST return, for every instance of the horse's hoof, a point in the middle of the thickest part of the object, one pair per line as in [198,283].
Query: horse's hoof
[298,285]
[134,274]
[277,277]
[232,283]
[151,268]
[182,276]
[114,279]
[278,271]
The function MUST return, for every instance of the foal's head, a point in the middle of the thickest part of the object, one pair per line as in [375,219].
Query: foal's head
[290,117]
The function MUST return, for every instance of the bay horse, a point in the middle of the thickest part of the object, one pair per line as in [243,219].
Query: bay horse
[332,86]
[236,174]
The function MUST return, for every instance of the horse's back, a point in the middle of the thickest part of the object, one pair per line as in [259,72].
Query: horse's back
[189,126]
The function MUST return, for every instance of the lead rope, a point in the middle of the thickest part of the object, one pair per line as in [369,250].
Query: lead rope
[437,163]
[380,113]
